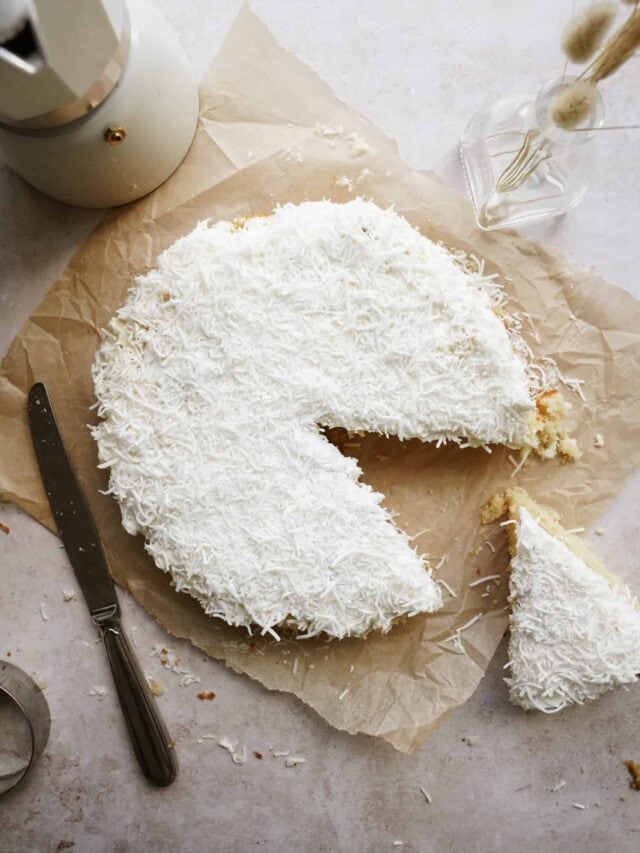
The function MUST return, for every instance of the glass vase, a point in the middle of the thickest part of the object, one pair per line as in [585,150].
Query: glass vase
[520,166]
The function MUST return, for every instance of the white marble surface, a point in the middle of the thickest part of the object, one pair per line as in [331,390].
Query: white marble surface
[419,70]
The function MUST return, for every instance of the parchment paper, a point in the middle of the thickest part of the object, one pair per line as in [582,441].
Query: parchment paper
[258,144]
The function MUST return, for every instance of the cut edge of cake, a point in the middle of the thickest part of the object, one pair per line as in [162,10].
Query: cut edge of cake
[509,503]
[549,434]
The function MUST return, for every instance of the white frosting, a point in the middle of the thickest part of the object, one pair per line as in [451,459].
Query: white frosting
[573,636]
[214,376]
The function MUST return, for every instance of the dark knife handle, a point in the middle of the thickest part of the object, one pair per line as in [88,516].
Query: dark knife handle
[151,743]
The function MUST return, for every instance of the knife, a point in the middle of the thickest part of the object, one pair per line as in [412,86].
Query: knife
[151,743]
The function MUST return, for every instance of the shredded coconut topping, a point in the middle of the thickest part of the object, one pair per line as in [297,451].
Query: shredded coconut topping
[573,636]
[214,377]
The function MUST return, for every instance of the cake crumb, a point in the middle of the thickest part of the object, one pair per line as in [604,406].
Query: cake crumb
[599,531]
[67,595]
[342,182]
[598,440]
[294,760]
[238,756]
[634,771]
[208,695]
[4,528]
[257,754]
[155,686]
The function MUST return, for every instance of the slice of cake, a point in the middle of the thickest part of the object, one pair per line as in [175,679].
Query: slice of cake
[575,629]
[215,379]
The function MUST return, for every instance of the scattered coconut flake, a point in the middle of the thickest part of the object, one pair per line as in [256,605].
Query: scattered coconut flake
[443,583]
[426,795]
[562,784]
[41,683]
[490,545]
[351,668]
[98,691]
[599,531]
[68,595]
[485,578]
[343,694]
[418,534]
[598,440]
[238,756]
[167,657]
[43,613]
[294,668]
[464,627]
[575,530]
[441,563]
[170,661]
[580,806]
[517,465]
[574,385]
[398,843]
[133,631]
[282,753]
[294,760]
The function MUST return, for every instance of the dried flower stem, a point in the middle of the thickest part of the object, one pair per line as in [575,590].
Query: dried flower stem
[531,154]
[608,127]
[618,49]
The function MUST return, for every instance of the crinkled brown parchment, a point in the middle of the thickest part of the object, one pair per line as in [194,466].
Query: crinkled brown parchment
[271,132]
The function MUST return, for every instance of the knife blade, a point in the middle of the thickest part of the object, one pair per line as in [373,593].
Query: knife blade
[73,520]
[152,745]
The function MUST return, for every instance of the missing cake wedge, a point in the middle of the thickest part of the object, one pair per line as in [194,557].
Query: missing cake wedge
[575,628]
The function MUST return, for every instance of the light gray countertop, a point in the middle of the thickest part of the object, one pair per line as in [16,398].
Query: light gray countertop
[419,70]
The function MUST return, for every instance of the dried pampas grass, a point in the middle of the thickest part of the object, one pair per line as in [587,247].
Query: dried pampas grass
[581,41]
[574,104]
[620,47]
[586,32]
